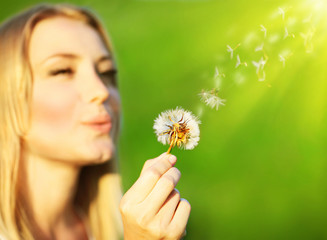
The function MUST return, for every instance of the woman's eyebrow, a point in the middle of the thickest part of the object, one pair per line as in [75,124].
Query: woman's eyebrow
[61,55]
[104,58]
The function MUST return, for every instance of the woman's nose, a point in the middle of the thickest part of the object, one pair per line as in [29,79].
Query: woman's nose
[95,90]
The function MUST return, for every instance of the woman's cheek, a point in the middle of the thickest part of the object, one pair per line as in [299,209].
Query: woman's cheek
[53,106]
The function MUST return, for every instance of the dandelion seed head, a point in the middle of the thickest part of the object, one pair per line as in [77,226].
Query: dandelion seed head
[177,127]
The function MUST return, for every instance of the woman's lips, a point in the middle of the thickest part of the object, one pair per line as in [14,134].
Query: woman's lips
[99,123]
[101,127]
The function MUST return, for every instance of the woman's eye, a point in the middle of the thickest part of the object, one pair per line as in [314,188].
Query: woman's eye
[109,77]
[62,71]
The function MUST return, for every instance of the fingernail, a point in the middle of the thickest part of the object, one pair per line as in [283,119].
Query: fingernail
[172,159]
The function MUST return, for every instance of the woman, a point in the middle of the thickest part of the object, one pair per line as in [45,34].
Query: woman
[59,117]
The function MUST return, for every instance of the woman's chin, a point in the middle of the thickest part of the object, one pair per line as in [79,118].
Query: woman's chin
[98,153]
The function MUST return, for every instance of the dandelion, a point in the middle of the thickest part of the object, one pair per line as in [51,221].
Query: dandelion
[211,98]
[231,50]
[177,127]
[238,62]
[264,30]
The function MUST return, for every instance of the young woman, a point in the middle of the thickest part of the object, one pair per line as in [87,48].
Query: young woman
[59,121]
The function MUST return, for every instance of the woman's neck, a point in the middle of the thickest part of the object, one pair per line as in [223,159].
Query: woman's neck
[48,188]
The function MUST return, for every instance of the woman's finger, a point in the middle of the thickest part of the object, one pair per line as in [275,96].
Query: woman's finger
[150,162]
[178,223]
[168,209]
[149,177]
[161,190]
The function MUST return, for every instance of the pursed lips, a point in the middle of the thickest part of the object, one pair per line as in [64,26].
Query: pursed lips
[100,123]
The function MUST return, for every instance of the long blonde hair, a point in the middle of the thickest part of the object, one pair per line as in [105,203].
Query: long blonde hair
[99,188]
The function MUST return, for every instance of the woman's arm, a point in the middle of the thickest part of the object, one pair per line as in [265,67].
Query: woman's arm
[152,207]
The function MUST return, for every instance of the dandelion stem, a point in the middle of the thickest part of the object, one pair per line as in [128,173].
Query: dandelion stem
[170,147]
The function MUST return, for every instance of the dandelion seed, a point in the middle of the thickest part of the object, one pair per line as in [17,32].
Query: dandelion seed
[284,57]
[218,77]
[308,19]
[231,50]
[262,76]
[264,30]
[259,68]
[177,127]
[286,34]
[218,74]
[259,65]
[211,98]
[259,48]
[308,39]
[281,11]
[238,62]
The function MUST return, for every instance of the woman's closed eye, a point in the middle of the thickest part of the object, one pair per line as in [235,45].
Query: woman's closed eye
[61,71]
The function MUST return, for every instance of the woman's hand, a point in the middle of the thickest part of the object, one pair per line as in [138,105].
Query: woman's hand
[152,207]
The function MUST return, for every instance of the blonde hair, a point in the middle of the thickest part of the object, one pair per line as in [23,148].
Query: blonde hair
[99,188]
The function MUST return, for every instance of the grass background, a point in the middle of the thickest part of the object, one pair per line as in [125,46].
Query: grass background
[259,171]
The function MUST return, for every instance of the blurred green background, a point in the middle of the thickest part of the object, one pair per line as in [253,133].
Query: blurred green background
[259,171]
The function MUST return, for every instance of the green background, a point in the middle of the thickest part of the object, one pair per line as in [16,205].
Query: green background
[259,171]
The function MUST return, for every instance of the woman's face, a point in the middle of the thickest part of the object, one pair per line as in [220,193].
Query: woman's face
[75,104]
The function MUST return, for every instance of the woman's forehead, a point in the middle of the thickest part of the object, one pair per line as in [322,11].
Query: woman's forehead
[62,35]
